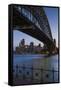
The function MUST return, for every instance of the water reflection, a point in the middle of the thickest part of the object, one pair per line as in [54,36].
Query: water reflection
[35,69]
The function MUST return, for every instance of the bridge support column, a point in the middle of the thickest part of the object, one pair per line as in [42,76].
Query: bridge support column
[52,49]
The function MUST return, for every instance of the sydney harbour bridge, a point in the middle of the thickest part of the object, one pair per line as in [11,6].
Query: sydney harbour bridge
[33,21]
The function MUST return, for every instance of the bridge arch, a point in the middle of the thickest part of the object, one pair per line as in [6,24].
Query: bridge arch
[25,21]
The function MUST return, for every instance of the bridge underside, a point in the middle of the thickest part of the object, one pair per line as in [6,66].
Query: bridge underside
[22,24]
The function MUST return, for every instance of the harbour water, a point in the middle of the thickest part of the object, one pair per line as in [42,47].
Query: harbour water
[37,67]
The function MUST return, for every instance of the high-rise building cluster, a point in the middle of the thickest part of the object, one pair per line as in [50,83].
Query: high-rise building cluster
[31,48]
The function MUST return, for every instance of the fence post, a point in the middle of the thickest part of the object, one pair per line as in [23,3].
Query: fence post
[16,71]
[23,71]
[32,72]
[53,74]
[41,75]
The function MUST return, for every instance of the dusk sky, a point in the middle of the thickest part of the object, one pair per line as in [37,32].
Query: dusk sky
[52,14]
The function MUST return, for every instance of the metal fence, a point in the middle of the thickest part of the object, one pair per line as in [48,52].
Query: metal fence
[35,74]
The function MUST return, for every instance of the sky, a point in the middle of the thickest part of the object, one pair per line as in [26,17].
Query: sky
[52,15]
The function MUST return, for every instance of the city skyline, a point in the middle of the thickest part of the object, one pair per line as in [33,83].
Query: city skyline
[53,22]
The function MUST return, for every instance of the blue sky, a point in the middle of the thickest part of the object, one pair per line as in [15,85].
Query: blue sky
[52,15]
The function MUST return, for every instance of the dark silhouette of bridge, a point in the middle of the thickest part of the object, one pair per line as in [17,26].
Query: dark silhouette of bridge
[33,21]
